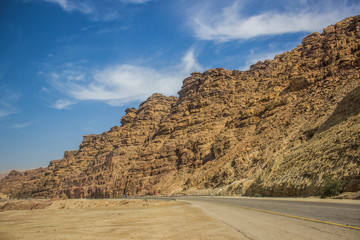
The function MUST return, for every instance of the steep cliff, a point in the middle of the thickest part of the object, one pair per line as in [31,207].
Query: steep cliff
[278,129]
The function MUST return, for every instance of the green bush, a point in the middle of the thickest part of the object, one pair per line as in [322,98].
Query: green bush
[331,188]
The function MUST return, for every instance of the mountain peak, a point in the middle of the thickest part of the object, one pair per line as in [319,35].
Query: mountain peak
[273,129]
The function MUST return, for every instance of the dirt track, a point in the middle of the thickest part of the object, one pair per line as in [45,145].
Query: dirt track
[109,219]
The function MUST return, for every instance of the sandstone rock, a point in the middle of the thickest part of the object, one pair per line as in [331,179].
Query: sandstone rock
[278,129]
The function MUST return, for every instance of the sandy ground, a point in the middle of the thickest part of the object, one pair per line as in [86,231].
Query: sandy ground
[108,219]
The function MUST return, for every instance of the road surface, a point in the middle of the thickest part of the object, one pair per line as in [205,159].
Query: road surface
[258,218]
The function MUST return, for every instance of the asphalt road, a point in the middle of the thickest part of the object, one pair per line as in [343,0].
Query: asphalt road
[258,218]
[346,214]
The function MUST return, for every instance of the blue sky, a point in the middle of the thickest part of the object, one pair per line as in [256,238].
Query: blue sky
[71,67]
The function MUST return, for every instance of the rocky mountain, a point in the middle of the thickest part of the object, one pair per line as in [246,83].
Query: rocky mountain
[3,174]
[279,129]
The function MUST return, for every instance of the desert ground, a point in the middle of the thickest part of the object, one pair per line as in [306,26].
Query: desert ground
[183,218]
[108,219]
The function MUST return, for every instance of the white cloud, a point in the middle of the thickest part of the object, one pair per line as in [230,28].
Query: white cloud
[22,125]
[189,62]
[44,90]
[135,1]
[62,3]
[97,10]
[120,84]
[62,104]
[70,5]
[7,102]
[232,22]
[7,112]
[253,58]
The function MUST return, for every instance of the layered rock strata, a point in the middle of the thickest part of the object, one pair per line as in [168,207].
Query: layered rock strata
[278,129]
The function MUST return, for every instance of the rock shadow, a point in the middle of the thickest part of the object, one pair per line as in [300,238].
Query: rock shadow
[349,106]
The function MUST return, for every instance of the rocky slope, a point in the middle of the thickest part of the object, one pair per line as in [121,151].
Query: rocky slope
[3,174]
[280,129]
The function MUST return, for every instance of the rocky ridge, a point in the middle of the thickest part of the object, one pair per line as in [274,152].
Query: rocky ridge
[279,129]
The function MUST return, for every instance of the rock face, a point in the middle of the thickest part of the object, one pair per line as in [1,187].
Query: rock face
[3,174]
[278,129]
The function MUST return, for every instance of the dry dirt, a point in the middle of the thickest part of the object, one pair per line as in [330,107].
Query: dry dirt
[108,219]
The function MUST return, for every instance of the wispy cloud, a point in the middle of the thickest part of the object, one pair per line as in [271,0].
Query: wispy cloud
[232,22]
[7,102]
[255,56]
[97,10]
[90,8]
[22,125]
[69,5]
[112,29]
[120,84]
[62,104]
[135,1]
[5,111]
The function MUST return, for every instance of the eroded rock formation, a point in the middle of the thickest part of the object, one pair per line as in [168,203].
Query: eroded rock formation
[278,129]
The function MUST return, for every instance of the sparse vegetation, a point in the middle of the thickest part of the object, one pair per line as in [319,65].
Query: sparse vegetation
[257,195]
[331,188]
